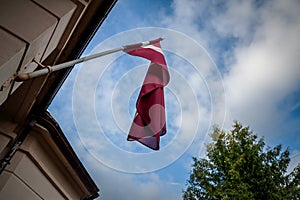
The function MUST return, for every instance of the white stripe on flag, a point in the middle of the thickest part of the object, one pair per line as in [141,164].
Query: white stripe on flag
[155,48]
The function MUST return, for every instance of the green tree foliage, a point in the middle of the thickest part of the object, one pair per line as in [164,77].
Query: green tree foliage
[238,166]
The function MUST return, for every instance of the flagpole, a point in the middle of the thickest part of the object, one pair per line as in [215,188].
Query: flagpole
[50,69]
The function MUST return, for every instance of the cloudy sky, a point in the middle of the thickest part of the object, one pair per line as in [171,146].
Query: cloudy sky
[228,60]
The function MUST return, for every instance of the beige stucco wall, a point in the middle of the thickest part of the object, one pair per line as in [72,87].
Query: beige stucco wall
[38,170]
[28,30]
[38,29]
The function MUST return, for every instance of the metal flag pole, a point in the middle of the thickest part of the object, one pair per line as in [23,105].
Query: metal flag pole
[50,69]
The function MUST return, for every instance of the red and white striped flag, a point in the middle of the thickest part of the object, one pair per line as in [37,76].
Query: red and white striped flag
[149,122]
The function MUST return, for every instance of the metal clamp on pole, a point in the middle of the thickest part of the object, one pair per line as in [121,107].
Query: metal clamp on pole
[50,70]
[37,62]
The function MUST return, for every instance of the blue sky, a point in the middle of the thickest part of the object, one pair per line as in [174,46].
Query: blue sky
[228,60]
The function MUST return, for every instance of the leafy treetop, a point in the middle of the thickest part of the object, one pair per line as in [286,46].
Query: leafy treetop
[238,166]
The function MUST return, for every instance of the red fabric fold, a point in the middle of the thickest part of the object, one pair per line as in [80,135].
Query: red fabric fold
[149,122]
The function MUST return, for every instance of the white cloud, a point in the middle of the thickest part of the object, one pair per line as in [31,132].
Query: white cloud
[235,18]
[266,70]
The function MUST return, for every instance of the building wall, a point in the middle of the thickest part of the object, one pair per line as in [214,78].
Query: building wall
[49,31]
[31,30]
[39,171]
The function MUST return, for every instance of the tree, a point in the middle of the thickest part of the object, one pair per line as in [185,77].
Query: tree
[238,166]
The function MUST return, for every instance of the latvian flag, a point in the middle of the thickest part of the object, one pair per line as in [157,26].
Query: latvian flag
[149,122]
